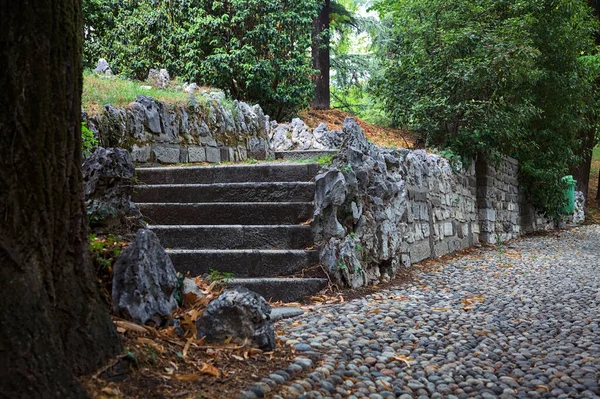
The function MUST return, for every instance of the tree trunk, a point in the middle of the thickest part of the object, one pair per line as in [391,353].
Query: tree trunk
[581,172]
[53,325]
[320,56]
[598,191]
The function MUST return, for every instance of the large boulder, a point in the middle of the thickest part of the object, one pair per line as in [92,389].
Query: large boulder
[241,314]
[107,187]
[144,281]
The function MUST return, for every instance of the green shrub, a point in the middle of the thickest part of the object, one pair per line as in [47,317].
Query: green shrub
[256,50]
[88,141]
[494,77]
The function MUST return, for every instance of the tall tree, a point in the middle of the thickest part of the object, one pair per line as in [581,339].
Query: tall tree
[482,76]
[320,57]
[53,323]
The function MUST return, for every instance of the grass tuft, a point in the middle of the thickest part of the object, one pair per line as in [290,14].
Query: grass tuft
[99,91]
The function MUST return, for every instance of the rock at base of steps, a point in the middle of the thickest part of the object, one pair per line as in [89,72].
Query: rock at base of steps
[239,313]
[144,281]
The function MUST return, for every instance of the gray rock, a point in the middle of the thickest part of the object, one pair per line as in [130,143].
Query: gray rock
[190,292]
[141,154]
[167,155]
[153,114]
[190,88]
[103,67]
[239,313]
[144,281]
[113,125]
[213,154]
[107,187]
[196,154]
[159,79]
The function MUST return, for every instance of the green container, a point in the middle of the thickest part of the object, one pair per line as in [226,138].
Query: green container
[569,208]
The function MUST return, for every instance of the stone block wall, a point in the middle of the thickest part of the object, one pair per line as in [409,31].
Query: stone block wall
[380,209]
[207,129]
[498,200]
[441,214]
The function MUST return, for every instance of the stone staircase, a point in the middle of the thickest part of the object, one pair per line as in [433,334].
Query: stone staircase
[248,220]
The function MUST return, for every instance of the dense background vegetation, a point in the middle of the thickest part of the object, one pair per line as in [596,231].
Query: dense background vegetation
[496,77]
[256,50]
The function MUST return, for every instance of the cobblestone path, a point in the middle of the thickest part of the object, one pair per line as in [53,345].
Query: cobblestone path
[520,321]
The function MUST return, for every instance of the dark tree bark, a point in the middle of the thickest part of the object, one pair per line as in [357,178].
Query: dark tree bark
[598,191]
[320,56]
[589,142]
[53,324]
[581,172]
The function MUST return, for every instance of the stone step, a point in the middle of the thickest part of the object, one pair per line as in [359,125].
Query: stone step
[247,213]
[226,192]
[235,236]
[283,312]
[267,172]
[282,289]
[242,262]
[303,154]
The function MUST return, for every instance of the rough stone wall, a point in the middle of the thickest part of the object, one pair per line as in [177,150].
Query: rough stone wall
[498,200]
[441,208]
[208,129]
[381,209]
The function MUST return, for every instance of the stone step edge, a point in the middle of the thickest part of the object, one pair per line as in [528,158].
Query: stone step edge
[285,312]
[286,289]
[182,204]
[226,226]
[234,184]
[240,165]
[240,251]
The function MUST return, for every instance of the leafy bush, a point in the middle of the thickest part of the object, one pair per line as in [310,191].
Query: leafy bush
[254,49]
[88,141]
[491,77]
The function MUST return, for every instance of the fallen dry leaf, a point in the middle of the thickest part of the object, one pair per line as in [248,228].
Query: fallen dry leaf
[210,370]
[404,359]
[127,325]
[188,377]
[187,347]
[155,345]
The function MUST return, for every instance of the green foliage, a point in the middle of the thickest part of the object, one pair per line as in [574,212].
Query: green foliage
[256,50]
[325,160]
[353,65]
[88,141]
[215,275]
[104,252]
[179,289]
[99,91]
[493,77]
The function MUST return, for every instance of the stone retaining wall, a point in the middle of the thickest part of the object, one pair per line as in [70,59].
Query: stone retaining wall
[380,209]
[208,128]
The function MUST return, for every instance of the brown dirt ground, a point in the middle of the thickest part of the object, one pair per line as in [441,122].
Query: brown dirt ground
[159,363]
[380,135]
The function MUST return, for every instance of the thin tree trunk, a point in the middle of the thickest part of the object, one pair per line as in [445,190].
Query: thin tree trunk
[53,324]
[598,190]
[581,172]
[321,60]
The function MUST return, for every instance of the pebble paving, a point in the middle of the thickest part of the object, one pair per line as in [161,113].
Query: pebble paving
[517,321]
